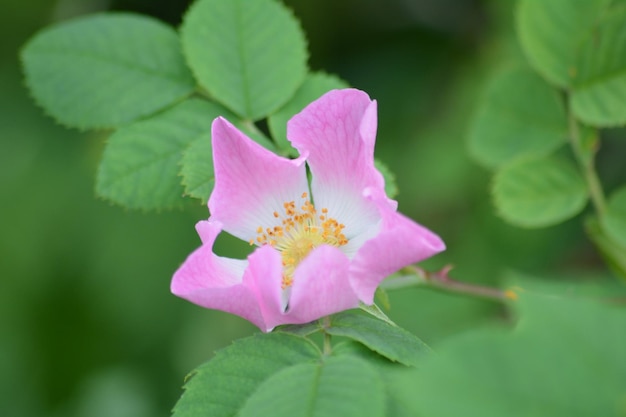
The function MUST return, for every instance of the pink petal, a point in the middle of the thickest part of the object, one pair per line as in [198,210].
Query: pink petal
[264,277]
[338,133]
[400,242]
[216,282]
[251,183]
[321,286]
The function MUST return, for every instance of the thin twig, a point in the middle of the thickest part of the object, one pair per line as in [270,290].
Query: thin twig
[441,280]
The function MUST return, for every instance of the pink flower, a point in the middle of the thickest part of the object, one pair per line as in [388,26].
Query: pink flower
[321,249]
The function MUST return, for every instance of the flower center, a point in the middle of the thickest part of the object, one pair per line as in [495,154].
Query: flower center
[301,231]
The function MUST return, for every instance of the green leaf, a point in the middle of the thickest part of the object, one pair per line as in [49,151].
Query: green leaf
[141,162]
[614,220]
[391,186]
[197,169]
[565,359]
[315,85]
[250,55]
[343,386]
[520,115]
[599,91]
[551,33]
[387,370]
[613,252]
[197,173]
[539,192]
[220,387]
[376,311]
[389,341]
[106,70]
[305,329]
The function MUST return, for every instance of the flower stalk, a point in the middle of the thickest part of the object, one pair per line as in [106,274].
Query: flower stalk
[328,348]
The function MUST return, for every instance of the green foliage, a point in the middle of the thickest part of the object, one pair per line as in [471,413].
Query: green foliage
[313,87]
[551,33]
[565,359]
[106,70]
[387,370]
[197,168]
[600,80]
[337,386]
[109,70]
[614,221]
[520,115]
[389,341]
[539,192]
[250,55]
[284,374]
[220,387]
[580,46]
[140,165]
[575,44]
[613,252]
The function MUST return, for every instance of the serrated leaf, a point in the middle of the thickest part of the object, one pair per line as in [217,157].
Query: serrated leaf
[140,164]
[250,55]
[551,33]
[338,386]
[599,91]
[389,341]
[314,86]
[106,70]
[387,370]
[220,387]
[565,359]
[391,186]
[539,192]
[197,168]
[520,115]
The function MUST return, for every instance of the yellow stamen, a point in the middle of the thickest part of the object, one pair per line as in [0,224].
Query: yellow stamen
[299,233]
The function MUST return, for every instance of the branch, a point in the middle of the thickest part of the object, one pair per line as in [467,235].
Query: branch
[441,280]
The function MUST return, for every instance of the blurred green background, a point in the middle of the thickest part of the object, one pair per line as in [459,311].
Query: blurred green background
[87,324]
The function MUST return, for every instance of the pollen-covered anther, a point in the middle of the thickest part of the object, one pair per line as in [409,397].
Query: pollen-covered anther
[286,282]
[300,232]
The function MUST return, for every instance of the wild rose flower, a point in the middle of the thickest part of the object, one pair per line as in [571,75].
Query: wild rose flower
[320,248]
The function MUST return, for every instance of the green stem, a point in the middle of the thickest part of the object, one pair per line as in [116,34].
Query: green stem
[587,165]
[328,348]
